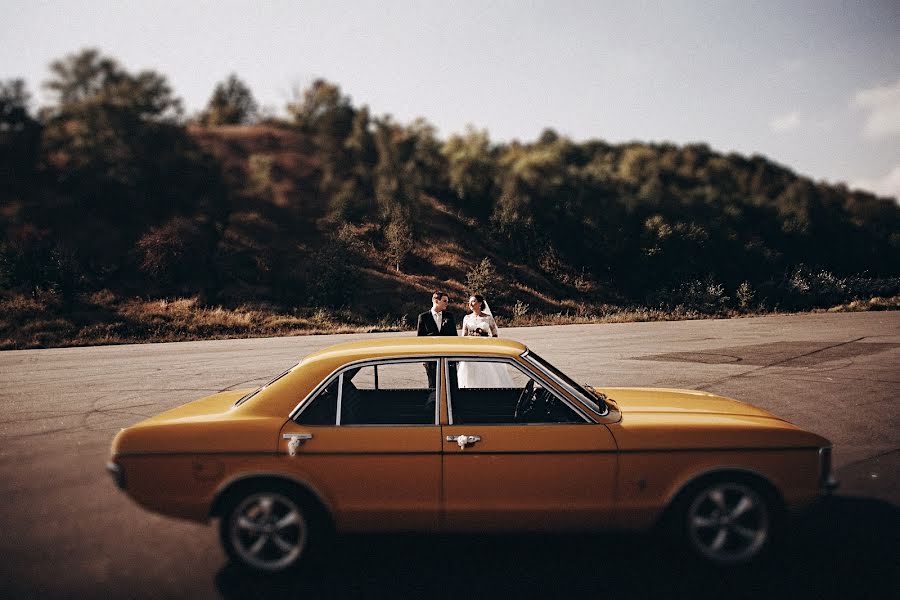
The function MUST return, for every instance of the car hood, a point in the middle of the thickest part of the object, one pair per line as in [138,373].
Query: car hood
[660,419]
[210,424]
[666,400]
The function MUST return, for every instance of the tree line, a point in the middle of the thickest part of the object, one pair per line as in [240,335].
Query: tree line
[109,187]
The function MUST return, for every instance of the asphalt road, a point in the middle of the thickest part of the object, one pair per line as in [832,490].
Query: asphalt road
[66,532]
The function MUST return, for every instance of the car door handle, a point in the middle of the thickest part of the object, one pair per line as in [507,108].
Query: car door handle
[464,440]
[296,440]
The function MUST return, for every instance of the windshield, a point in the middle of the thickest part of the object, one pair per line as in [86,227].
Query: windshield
[586,395]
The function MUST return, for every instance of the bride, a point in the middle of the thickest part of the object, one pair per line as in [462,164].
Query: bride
[481,323]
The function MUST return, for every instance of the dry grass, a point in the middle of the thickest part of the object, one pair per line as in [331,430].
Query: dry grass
[100,318]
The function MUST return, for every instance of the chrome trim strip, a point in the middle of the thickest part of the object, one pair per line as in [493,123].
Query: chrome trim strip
[446,365]
[438,386]
[521,368]
[337,416]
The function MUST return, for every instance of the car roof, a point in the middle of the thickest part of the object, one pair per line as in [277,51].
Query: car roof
[418,346]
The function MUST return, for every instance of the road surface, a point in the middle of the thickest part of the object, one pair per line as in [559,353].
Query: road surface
[66,532]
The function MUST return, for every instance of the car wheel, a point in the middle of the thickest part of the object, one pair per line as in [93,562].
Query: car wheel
[267,530]
[727,522]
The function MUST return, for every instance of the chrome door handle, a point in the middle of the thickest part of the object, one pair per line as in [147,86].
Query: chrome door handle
[296,440]
[464,440]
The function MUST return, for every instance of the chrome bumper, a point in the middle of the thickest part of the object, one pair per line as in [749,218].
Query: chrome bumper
[827,482]
[117,474]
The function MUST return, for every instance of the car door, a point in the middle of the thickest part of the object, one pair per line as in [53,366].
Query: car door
[368,440]
[550,469]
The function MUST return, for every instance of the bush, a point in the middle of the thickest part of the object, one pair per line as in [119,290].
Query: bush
[483,279]
[807,288]
[399,241]
[332,277]
[174,255]
[705,296]
[519,310]
[745,296]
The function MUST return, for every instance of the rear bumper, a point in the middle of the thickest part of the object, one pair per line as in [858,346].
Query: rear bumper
[118,475]
[827,481]
[829,485]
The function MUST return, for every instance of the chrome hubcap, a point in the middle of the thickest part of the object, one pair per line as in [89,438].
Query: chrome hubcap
[268,531]
[728,522]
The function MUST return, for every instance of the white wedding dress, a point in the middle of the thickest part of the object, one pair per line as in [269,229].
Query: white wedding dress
[471,374]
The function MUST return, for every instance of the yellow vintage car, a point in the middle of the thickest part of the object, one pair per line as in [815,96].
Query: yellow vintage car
[466,434]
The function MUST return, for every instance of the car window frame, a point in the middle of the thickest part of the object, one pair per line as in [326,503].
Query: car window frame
[339,375]
[600,411]
[516,364]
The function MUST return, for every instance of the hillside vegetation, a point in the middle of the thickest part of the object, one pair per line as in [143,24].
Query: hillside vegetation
[124,221]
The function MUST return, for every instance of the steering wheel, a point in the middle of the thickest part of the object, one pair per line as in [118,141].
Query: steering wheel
[524,401]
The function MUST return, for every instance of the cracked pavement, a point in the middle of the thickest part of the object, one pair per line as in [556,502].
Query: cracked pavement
[69,533]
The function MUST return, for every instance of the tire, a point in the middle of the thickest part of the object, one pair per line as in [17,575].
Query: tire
[268,529]
[727,522]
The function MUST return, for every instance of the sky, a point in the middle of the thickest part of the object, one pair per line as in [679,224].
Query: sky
[811,85]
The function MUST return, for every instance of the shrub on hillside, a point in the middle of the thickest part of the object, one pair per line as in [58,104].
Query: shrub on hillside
[174,255]
[484,279]
[705,296]
[805,287]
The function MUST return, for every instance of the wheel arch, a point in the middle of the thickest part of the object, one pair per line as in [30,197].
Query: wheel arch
[243,483]
[737,474]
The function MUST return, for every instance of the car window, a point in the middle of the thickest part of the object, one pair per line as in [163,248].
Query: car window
[389,393]
[596,403]
[383,393]
[498,392]
[322,409]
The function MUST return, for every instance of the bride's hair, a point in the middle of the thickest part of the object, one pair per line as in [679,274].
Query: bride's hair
[479,298]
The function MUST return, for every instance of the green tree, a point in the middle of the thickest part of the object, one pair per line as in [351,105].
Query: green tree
[120,160]
[397,189]
[106,120]
[484,279]
[232,103]
[326,112]
[472,169]
[399,240]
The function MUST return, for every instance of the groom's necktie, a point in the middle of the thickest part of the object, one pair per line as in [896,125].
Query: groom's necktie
[437,319]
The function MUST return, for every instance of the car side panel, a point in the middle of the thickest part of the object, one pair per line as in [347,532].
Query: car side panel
[529,477]
[649,480]
[376,478]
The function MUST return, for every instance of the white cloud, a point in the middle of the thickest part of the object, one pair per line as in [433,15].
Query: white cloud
[785,123]
[882,105]
[888,185]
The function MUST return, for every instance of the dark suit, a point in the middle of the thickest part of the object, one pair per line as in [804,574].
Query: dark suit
[427,327]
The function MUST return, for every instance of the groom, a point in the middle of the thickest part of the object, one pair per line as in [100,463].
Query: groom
[436,321]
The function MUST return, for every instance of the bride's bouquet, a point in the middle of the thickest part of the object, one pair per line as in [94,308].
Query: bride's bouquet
[481,332]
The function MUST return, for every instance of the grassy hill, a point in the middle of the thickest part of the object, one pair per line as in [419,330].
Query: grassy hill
[250,231]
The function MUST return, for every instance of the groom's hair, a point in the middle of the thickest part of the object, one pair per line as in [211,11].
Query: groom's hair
[439,294]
